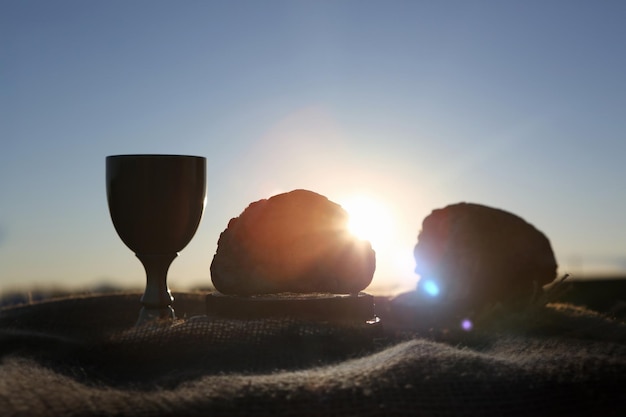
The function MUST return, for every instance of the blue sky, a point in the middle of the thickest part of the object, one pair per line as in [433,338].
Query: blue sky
[519,105]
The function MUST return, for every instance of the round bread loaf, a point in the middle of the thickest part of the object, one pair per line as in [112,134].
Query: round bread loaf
[470,254]
[292,242]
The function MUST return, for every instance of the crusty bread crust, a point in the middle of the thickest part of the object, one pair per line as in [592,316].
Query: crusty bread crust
[292,242]
[480,255]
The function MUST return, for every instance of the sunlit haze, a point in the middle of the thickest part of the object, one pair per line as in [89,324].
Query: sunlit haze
[390,108]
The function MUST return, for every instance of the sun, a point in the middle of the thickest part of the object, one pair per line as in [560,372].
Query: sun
[370,219]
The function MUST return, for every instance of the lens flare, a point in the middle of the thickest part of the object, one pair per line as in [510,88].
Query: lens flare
[467,325]
[431,288]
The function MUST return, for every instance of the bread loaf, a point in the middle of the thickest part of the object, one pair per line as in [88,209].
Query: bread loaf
[292,242]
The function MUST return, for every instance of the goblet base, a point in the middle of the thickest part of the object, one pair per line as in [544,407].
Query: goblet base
[147,314]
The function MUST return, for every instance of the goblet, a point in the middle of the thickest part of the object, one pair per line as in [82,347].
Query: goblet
[156,203]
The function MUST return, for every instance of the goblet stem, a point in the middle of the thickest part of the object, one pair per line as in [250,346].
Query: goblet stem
[157,299]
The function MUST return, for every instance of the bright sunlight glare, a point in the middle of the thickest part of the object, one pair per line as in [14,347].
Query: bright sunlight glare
[370,219]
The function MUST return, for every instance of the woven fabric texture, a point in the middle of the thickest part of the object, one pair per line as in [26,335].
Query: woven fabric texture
[82,356]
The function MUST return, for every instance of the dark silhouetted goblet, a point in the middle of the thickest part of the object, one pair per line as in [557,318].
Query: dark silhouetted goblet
[156,203]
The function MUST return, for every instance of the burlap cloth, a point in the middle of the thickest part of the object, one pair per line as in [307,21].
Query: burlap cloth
[81,356]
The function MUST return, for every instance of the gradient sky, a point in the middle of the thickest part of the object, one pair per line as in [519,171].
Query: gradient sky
[519,105]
